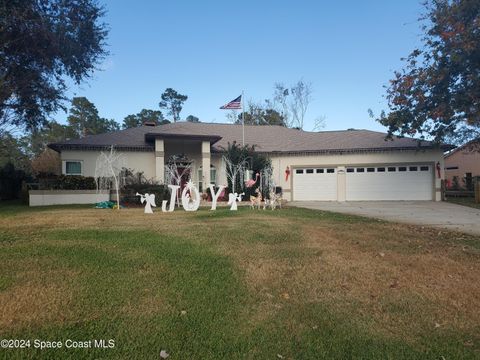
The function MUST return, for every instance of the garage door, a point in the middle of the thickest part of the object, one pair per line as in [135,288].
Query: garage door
[315,184]
[389,182]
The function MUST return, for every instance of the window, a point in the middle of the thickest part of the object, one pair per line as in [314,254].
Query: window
[309,171]
[452,168]
[73,167]
[392,169]
[370,169]
[360,170]
[350,170]
[299,171]
[413,168]
[200,178]
[213,177]
[423,168]
[319,171]
[213,174]
[381,169]
[402,168]
[330,171]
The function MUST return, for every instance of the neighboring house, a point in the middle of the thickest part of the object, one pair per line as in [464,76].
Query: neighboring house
[328,165]
[464,164]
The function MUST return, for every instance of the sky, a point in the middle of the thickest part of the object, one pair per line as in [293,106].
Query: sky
[214,50]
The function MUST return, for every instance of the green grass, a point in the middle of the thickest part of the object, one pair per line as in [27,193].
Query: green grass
[465,201]
[132,283]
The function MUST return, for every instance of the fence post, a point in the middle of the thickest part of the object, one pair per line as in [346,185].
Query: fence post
[477,192]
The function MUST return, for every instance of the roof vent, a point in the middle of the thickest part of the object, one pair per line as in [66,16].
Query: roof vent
[149,123]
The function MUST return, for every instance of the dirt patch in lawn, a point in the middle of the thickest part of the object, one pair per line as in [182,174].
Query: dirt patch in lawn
[37,299]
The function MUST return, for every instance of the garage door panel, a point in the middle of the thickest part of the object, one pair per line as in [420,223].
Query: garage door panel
[316,184]
[395,185]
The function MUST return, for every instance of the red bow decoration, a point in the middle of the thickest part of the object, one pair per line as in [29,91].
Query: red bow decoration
[287,173]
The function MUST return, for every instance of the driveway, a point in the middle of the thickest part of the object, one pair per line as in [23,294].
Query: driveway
[429,213]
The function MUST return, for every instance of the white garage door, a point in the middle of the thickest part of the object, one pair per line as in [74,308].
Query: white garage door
[389,182]
[315,184]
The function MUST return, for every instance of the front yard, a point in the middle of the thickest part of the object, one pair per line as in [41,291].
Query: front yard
[288,284]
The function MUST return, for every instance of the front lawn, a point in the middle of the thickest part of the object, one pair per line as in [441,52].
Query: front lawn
[287,284]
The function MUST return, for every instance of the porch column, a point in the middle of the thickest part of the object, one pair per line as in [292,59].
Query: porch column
[205,164]
[159,161]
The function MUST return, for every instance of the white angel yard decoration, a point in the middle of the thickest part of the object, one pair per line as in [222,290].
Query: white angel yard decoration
[232,200]
[149,200]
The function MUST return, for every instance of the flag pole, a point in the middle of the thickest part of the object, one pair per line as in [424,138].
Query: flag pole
[243,121]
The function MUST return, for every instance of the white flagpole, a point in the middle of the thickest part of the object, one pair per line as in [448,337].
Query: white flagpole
[243,121]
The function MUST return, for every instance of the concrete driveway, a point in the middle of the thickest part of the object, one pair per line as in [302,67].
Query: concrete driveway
[429,213]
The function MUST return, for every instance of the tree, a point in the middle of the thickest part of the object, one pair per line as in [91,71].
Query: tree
[191,118]
[437,93]
[42,44]
[257,114]
[35,141]
[11,151]
[145,115]
[292,103]
[172,101]
[84,119]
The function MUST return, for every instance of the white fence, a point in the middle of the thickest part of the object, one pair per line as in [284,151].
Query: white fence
[64,197]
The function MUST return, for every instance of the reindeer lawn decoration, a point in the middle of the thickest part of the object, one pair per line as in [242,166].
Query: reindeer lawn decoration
[256,200]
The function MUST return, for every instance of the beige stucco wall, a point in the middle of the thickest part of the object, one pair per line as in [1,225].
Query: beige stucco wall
[146,162]
[466,161]
[281,162]
[135,160]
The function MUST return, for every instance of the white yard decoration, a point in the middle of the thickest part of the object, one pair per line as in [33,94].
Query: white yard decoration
[234,171]
[190,197]
[215,195]
[232,200]
[178,168]
[108,167]
[149,200]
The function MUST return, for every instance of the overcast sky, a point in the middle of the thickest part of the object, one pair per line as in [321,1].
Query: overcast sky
[212,50]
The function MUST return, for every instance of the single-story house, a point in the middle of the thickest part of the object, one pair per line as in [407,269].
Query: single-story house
[344,165]
[464,164]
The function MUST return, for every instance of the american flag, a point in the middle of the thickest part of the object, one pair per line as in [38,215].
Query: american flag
[234,104]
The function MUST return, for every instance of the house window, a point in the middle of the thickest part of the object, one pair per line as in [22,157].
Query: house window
[330,171]
[360,170]
[200,180]
[370,169]
[402,168]
[299,171]
[350,170]
[423,168]
[73,167]
[381,169]
[213,177]
[319,171]
[213,174]
[392,169]
[413,168]
[309,171]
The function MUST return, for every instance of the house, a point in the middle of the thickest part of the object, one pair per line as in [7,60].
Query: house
[330,165]
[464,164]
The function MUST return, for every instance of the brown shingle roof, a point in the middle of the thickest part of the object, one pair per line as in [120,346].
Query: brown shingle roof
[265,138]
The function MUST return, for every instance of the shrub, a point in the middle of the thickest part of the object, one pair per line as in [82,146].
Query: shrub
[67,182]
[10,181]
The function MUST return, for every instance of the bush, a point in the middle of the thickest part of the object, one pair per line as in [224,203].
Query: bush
[67,182]
[10,181]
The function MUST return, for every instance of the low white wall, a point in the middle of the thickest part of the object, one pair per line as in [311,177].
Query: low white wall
[64,197]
